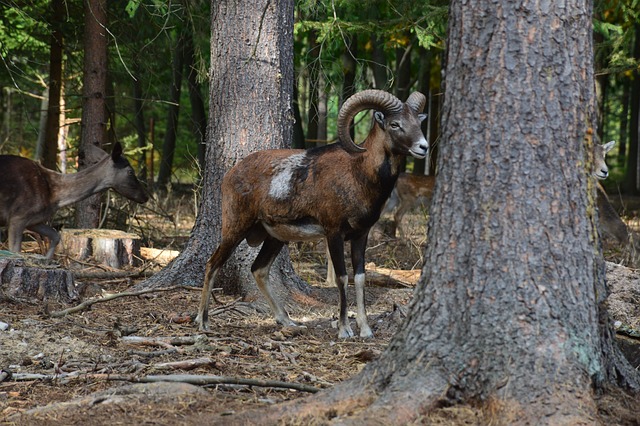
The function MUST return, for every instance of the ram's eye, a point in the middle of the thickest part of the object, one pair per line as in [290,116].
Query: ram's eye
[394,125]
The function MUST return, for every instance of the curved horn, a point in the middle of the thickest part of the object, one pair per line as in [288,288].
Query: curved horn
[367,99]
[416,102]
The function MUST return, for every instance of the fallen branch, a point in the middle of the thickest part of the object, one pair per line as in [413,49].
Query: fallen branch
[215,380]
[164,340]
[88,303]
[174,378]
[187,364]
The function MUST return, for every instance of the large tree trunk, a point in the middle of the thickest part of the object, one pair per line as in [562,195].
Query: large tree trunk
[508,315]
[248,50]
[94,111]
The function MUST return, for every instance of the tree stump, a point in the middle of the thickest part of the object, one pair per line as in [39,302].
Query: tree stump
[34,277]
[113,248]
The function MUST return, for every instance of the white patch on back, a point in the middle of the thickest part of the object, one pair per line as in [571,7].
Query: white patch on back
[281,181]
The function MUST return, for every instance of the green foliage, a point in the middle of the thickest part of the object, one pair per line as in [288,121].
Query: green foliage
[142,38]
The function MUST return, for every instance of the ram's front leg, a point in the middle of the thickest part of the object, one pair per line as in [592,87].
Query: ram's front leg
[358,247]
[336,249]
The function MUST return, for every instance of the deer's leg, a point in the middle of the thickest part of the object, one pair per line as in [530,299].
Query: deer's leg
[336,249]
[215,262]
[51,234]
[358,247]
[260,269]
[398,215]
[331,272]
[15,231]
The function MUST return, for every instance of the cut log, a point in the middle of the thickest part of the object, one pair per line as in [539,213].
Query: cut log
[34,277]
[160,256]
[110,247]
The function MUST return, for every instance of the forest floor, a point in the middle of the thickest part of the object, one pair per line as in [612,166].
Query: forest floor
[87,367]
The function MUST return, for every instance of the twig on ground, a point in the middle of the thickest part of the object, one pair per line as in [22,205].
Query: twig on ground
[185,364]
[165,341]
[88,303]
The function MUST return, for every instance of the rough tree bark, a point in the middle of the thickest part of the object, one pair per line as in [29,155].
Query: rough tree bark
[508,316]
[250,109]
[94,111]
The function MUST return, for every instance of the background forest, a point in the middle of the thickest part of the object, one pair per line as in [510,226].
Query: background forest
[158,62]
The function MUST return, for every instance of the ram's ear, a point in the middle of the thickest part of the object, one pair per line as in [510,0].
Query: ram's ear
[422,117]
[379,117]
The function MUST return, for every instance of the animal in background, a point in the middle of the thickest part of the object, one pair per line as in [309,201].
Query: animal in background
[610,223]
[335,192]
[30,194]
[411,191]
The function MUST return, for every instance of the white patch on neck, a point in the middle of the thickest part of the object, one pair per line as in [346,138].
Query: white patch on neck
[281,181]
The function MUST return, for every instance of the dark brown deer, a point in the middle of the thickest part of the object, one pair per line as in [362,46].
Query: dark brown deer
[30,194]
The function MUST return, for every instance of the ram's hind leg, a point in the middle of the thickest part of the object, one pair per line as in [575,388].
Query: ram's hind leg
[214,264]
[260,269]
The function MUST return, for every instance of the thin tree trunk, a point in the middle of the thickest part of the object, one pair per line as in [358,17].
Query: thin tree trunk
[419,165]
[624,119]
[322,110]
[349,66]
[314,90]
[198,113]
[139,121]
[403,72]
[298,132]
[50,145]
[631,184]
[403,80]
[379,63]
[94,111]
[63,132]
[435,106]
[169,144]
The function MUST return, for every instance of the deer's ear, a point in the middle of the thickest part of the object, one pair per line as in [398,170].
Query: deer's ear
[117,151]
[93,154]
[608,146]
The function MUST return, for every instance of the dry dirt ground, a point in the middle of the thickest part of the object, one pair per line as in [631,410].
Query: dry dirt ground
[88,367]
